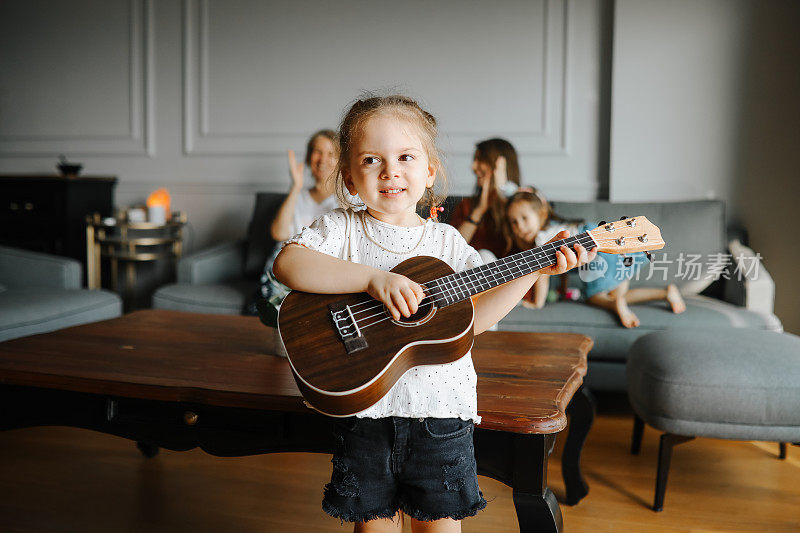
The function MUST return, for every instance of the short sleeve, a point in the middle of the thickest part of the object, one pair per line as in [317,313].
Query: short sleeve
[472,258]
[464,255]
[326,234]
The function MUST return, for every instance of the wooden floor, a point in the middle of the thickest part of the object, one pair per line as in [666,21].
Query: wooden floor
[72,480]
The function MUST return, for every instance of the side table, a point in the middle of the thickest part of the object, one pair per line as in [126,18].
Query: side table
[127,244]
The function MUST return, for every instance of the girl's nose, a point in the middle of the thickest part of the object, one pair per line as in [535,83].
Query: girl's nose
[390,171]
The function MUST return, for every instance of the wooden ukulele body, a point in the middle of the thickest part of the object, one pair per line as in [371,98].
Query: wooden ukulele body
[339,383]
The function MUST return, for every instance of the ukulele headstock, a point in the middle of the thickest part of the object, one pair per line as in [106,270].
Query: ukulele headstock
[627,235]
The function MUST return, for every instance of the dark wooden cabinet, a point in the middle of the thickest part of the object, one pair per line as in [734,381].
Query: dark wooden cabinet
[48,213]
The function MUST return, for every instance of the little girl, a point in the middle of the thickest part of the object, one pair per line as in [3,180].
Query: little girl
[529,221]
[527,212]
[412,452]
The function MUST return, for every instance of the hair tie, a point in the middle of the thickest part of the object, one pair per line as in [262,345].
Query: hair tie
[434,213]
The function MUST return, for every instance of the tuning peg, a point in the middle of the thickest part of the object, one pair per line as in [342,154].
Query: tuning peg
[649,256]
[601,223]
[627,261]
[623,217]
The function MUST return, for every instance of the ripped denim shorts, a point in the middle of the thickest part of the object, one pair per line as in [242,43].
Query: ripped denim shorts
[422,466]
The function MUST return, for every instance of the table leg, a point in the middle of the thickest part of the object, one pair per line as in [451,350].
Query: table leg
[581,413]
[536,505]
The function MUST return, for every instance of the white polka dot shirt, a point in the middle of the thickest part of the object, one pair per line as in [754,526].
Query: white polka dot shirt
[440,391]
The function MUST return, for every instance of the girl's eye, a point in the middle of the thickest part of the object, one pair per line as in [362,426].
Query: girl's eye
[406,157]
[370,160]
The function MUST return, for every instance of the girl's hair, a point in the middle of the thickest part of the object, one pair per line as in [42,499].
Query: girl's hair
[403,108]
[487,152]
[328,134]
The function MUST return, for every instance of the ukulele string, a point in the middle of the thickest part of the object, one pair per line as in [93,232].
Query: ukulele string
[378,305]
[504,270]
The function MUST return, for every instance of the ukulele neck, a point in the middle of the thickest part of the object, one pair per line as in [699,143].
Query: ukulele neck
[459,286]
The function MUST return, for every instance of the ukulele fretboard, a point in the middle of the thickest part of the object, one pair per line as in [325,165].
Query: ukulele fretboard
[454,288]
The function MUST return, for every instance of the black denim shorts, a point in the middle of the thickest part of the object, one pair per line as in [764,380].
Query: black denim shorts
[423,466]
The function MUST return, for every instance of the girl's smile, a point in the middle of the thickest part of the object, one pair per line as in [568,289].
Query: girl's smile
[389,170]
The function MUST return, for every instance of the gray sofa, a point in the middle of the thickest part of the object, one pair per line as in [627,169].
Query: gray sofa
[690,228]
[224,278]
[41,293]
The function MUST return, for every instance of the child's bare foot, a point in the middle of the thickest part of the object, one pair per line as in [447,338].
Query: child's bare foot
[675,299]
[626,316]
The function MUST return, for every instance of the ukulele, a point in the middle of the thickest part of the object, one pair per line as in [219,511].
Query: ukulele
[346,351]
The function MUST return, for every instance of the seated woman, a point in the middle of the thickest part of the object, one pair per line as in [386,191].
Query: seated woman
[299,209]
[527,212]
[302,206]
[479,219]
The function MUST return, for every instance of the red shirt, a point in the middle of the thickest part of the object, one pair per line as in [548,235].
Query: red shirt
[487,236]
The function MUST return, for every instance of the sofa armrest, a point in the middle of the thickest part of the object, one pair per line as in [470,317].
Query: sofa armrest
[750,285]
[213,265]
[23,268]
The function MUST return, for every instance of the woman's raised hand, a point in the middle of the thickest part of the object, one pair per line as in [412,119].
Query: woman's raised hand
[295,171]
[566,258]
[483,201]
[500,174]
[400,295]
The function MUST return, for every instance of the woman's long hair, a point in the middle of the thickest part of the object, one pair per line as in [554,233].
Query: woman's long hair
[488,152]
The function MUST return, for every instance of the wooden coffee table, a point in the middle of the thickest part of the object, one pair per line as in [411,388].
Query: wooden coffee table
[182,380]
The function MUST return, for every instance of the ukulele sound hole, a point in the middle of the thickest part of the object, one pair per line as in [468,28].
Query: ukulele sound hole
[424,313]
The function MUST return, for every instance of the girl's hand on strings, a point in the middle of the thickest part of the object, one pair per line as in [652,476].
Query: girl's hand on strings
[400,295]
[567,258]
[295,171]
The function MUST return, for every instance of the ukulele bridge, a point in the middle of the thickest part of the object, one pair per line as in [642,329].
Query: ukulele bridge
[346,326]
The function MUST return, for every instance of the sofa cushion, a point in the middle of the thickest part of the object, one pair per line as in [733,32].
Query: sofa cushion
[689,228]
[223,299]
[612,340]
[27,311]
[724,383]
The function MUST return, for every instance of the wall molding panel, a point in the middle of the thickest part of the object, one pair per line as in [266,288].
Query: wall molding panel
[139,140]
[548,137]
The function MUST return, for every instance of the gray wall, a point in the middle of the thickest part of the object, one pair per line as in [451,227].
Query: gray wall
[705,104]
[632,99]
[205,96]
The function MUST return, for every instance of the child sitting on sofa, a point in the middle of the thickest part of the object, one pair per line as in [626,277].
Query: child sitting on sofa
[530,222]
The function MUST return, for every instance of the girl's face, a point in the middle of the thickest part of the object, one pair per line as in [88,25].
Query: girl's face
[482,170]
[525,223]
[322,160]
[389,170]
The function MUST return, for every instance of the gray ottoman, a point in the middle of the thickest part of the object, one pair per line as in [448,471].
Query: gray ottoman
[722,383]
[221,299]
